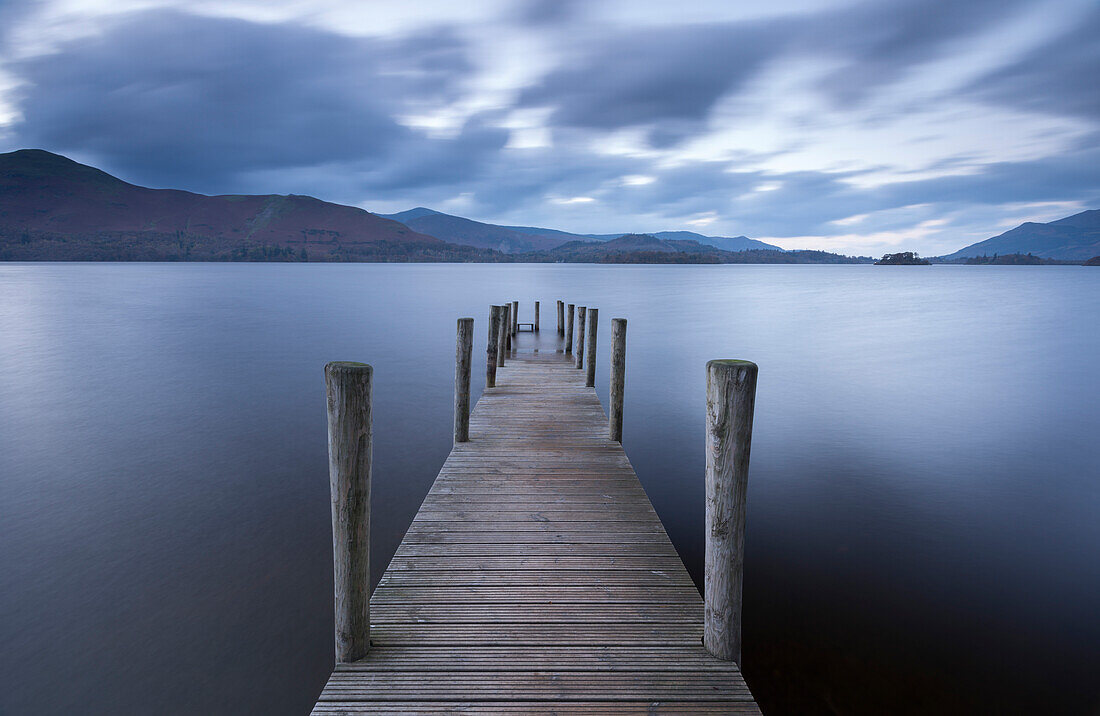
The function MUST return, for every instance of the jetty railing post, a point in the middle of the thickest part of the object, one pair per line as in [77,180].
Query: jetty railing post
[731,394]
[515,317]
[536,316]
[579,353]
[569,329]
[618,379]
[502,343]
[464,346]
[561,318]
[348,393]
[491,347]
[593,320]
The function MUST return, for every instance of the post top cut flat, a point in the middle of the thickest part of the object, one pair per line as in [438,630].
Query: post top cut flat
[344,366]
[732,363]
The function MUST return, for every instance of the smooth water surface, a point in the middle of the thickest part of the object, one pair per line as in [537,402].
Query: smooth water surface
[924,500]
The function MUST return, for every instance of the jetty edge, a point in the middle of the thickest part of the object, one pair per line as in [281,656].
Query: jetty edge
[536,577]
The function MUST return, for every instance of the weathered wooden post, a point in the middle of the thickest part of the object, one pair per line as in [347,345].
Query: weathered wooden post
[502,340]
[618,379]
[515,317]
[593,320]
[569,329]
[507,327]
[348,392]
[491,347]
[561,318]
[536,316]
[581,310]
[464,346]
[731,394]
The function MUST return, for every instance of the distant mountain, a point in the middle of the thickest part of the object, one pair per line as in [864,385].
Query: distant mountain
[518,239]
[726,243]
[1074,238]
[647,248]
[459,230]
[556,234]
[52,208]
[410,214]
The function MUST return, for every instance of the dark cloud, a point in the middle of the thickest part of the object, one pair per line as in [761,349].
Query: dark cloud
[1069,176]
[171,99]
[548,12]
[879,41]
[804,203]
[811,201]
[1061,77]
[669,78]
[670,75]
[452,162]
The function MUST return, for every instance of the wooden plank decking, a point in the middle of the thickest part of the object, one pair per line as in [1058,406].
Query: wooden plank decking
[536,577]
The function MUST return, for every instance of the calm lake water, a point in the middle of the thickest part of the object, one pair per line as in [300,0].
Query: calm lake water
[924,499]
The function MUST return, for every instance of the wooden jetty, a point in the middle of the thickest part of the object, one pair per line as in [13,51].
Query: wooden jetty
[536,577]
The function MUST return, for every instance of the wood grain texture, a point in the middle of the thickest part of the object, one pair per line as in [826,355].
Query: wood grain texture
[618,379]
[348,389]
[590,349]
[464,347]
[561,318]
[579,345]
[536,326]
[731,394]
[536,577]
[491,347]
[569,329]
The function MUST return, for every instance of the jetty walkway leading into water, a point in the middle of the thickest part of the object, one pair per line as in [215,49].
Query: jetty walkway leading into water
[536,577]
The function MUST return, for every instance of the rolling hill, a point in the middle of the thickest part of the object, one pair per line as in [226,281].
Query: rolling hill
[1074,238]
[53,208]
[459,230]
[726,243]
[519,239]
[650,249]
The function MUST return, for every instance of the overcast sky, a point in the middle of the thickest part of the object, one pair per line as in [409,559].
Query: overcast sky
[860,127]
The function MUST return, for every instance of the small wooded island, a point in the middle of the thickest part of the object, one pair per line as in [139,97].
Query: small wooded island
[905,258]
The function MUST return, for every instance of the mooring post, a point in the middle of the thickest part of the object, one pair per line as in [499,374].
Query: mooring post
[491,347]
[515,317]
[464,346]
[581,310]
[536,316]
[502,336]
[731,394]
[569,329]
[618,379]
[561,318]
[348,392]
[507,327]
[593,321]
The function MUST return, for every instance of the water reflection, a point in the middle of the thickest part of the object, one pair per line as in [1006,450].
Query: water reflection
[922,532]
